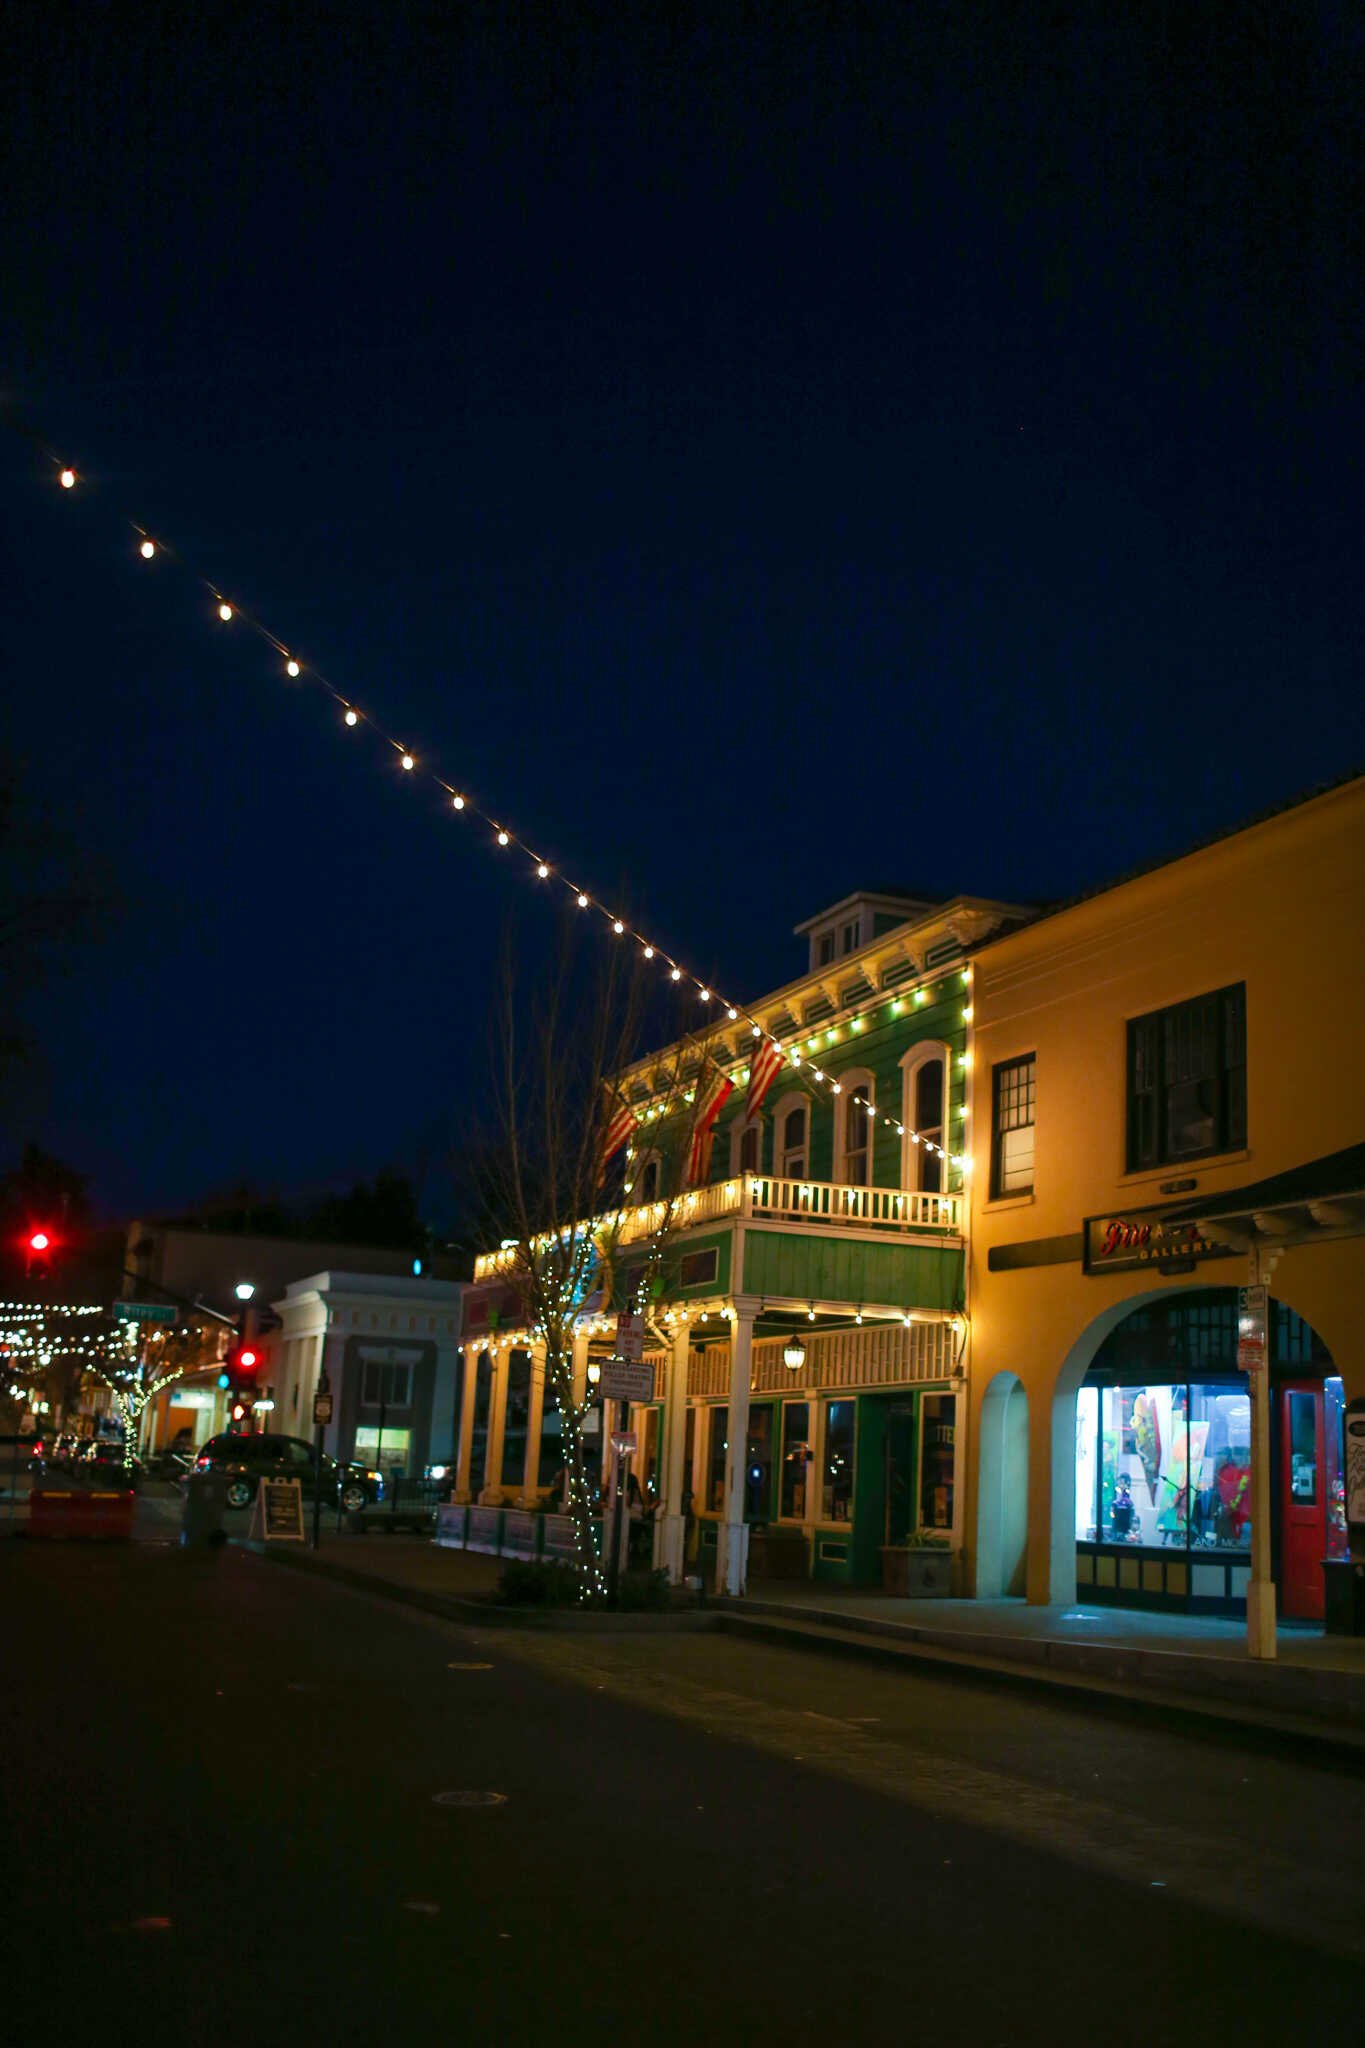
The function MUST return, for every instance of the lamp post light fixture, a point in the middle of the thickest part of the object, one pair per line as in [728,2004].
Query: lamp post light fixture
[594,1371]
[244,1289]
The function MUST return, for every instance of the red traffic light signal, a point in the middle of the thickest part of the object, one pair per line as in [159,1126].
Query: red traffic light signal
[246,1359]
[39,1241]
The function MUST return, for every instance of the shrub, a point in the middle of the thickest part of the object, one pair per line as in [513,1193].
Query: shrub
[523,1584]
[642,1589]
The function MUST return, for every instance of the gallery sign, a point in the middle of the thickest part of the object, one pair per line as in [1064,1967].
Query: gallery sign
[1119,1243]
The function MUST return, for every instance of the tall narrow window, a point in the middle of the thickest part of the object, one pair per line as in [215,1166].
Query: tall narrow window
[649,1181]
[858,1137]
[750,1141]
[792,1142]
[1012,1130]
[927,1116]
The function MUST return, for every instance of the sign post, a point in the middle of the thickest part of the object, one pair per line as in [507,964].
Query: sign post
[322,1415]
[1253,1316]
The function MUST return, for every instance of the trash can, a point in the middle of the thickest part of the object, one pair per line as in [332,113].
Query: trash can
[1344,1585]
[205,1501]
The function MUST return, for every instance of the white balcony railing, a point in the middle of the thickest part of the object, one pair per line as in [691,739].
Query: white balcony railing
[816,1204]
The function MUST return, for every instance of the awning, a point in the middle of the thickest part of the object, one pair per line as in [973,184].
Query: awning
[1306,1205]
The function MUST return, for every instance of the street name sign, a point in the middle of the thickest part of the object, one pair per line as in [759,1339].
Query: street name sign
[145,1312]
[625,1379]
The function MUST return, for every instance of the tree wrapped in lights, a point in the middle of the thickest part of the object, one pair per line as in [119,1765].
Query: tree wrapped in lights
[141,1371]
[547,1189]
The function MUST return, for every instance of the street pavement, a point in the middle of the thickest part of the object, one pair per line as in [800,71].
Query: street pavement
[245,1804]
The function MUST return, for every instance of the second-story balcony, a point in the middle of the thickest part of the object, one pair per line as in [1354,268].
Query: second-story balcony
[818,1205]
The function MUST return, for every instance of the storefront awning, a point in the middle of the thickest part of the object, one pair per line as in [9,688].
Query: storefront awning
[1307,1205]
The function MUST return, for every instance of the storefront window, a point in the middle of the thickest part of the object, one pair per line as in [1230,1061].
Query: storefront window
[715,1483]
[938,1417]
[795,1459]
[1165,1466]
[551,1460]
[1334,1477]
[758,1466]
[837,1491]
[516,1419]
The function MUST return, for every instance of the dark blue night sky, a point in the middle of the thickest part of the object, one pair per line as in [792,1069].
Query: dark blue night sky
[762,457]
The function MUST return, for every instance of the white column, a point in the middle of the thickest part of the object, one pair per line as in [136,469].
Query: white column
[670,1526]
[501,1362]
[732,1550]
[535,1417]
[469,1389]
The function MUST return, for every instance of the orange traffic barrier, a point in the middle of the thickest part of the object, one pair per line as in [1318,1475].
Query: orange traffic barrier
[81,1513]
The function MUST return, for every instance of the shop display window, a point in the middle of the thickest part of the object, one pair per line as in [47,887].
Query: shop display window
[1165,1466]
[938,1426]
[795,1459]
[1334,1477]
[758,1466]
[837,1491]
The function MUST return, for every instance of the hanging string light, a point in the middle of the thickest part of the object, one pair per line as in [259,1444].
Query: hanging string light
[229,613]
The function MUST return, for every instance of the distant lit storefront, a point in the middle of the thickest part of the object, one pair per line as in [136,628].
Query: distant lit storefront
[1163,1461]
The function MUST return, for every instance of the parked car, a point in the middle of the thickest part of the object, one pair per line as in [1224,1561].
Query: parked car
[246,1460]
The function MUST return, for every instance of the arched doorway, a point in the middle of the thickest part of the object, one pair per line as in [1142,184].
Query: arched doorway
[1002,1513]
[1151,1459]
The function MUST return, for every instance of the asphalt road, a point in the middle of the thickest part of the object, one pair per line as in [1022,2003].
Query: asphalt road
[224,1823]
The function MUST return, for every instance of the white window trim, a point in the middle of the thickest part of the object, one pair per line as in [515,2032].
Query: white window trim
[912,1154]
[793,1099]
[740,1125]
[856,1077]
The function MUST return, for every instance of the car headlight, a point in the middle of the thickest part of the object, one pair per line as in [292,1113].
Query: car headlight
[374,1475]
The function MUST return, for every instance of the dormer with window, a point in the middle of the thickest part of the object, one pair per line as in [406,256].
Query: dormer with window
[848,926]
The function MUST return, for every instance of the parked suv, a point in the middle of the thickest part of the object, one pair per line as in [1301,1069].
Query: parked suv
[247,1460]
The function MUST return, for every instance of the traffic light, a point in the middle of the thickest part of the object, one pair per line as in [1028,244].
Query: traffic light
[38,1243]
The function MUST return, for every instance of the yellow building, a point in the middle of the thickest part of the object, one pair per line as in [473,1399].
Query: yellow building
[1167,1105]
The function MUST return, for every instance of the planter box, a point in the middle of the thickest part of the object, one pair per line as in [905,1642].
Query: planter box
[778,1554]
[918,1572]
[450,1526]
[484,1531]
[518,1533]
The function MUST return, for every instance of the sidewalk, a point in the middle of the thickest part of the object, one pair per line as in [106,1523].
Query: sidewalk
[1314,1676]
[1190,1669]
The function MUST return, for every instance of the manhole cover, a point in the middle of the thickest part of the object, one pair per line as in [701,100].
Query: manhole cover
[470,1799]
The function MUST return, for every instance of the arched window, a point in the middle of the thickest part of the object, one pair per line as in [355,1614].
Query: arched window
[925,1070]
[746,1146]
[647,1182]
[854,1128]
[791,1138]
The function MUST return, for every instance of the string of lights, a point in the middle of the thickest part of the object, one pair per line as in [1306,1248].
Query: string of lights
[503,838]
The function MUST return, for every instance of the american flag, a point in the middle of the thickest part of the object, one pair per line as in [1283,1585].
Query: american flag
[621,1122]
[713,1091]
[764,1069]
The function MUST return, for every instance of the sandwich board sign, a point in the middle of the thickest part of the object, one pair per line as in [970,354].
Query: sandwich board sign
[277,1516]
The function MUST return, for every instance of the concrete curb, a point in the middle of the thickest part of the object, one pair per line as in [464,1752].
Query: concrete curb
[567,1621]
[1109,1695]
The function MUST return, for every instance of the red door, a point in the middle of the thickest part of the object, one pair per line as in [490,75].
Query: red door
[1303,1503]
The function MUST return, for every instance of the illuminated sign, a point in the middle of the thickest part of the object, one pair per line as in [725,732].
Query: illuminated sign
[1117,1244]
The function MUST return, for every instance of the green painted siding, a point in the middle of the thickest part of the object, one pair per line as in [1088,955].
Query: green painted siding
[878,1045]
[817,1267]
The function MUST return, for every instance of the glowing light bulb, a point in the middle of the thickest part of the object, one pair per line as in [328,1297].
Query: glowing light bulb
[756,1030]
[291,667]
[705,994]
[147,550]
[732,1015]
[458,802]
[352,717]
[502,839]
[582,901]
[617,926]
[225,612]
[676,974]
[543,871]
[408,763]
[836,1088]
[67,479]
[649,952]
